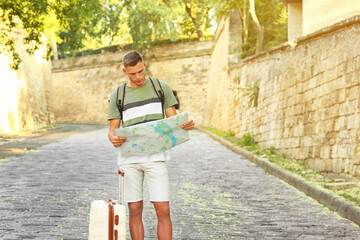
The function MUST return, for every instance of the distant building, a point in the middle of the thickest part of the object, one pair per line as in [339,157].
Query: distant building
[308,16]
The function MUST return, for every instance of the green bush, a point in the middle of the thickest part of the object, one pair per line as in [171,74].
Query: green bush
[246,140]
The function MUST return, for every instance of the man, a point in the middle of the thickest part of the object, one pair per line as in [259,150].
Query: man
[141,104]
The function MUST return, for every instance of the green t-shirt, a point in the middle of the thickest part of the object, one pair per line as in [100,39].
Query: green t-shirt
[141,104]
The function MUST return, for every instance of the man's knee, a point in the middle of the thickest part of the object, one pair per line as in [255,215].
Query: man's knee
[135,208]
[162,209]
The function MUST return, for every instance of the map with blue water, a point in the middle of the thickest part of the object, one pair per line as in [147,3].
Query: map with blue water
[153,137]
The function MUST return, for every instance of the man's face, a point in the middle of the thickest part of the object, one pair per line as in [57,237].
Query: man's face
[136,74]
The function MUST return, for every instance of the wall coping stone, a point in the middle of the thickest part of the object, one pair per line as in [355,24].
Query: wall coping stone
[301,40]
[83,62]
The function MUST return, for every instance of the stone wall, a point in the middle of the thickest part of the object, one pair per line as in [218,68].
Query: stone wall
[25,94]
[82,85]
[308,101]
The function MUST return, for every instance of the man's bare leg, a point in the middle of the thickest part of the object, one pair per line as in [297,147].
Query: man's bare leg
[135,220]
[164,221]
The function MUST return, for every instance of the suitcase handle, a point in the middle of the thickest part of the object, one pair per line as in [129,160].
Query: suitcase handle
[121,174]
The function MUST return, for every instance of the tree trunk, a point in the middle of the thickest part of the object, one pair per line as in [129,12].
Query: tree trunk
[258,27]
[245,31]
[199,32]
[54,49]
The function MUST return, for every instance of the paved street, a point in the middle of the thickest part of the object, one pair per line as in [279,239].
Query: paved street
[216,194]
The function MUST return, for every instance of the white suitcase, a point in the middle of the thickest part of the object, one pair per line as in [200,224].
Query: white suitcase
[108,217]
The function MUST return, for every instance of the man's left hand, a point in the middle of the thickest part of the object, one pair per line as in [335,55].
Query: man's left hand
[189,125]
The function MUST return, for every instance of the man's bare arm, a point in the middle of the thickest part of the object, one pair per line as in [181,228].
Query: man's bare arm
[117,141]
[170,111]
[189,125]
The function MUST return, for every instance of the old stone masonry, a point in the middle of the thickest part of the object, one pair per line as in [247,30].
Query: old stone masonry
[216,194]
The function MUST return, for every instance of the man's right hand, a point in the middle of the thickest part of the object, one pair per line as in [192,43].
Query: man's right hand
[117,141]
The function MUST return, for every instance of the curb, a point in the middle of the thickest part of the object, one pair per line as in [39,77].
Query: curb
[333,202]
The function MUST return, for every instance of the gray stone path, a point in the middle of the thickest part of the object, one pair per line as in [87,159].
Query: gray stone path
[216,194]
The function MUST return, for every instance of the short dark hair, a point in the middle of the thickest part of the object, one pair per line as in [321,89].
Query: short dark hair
[132,58]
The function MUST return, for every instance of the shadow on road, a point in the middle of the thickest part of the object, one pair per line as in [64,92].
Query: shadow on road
[14,145]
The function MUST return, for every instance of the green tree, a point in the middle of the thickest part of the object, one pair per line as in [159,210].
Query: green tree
[150,20]
[78,19]
[67,22]
[111,18]
[111,27]
[271,14]
[30,15]
[79,24]
[198,14]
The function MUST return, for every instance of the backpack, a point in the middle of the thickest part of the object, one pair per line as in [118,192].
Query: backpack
[120,96]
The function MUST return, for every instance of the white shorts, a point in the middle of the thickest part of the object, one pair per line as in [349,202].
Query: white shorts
[156,177]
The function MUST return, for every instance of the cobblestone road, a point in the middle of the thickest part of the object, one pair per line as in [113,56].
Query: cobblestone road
[216,194]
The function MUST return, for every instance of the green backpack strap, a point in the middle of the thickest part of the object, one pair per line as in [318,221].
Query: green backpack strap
[159,92]
[120,96]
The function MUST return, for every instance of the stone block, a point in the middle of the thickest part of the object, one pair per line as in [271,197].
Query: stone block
[291,91]
[347,165]
[325,152]
[356,77]
[353,106]
[341,69]
[334,111]
[320,77]
[312,83]
[299,130]
[309,129]
[286,133]
[300,86]
[357,171]
[329,112]
[295,142]
[354,122]
[319,165]
[334,151]
[344,108]
[327,74]
[307,141]
[316,92]
[343,123]
[319,127]
[328,125]
[354,93]
[337,165]
[356,159]
[315,152]
[307,96]
[344,151]
[318,114]
[300,109]
[327,101]
[302,153]
[342,95]
[337,124]
[328,165]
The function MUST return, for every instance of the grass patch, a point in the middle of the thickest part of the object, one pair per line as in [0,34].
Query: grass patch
[296,167]
[230,136]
